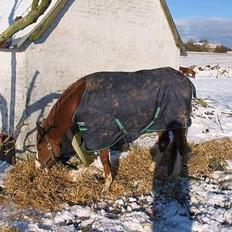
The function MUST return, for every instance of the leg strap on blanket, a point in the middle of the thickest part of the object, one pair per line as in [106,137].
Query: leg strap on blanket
[121,126]
[146,129]
[82,126]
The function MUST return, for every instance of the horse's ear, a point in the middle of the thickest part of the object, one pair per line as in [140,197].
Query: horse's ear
[39,127]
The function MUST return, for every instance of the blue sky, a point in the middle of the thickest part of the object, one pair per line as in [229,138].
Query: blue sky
[203,19]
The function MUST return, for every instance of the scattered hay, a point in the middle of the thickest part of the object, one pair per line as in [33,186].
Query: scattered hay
[209,156]
[29,187]
[134,175]
[200,102]
[3,197]
[87,188]
[8,229]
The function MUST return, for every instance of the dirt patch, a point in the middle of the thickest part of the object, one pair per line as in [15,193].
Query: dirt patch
[29,187]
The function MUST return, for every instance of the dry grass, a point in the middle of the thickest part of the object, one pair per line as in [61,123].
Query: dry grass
[209,156]
[36,188]
[29,187]
[134,175]
[8,229]
[3,199]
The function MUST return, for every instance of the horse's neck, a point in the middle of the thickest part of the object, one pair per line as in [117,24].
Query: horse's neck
[62,112]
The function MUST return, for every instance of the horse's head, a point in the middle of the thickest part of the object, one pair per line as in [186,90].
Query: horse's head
[48,147]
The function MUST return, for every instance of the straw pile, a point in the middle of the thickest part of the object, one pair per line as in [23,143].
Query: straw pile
[29,187]
[134,174]
[209,156]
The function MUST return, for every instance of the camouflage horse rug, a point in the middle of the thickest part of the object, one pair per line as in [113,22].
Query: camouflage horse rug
[119,105]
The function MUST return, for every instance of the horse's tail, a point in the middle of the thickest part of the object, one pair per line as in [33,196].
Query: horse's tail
[194,92]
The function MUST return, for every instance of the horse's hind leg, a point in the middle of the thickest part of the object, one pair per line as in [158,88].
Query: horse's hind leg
[159,149]
[104,155]
[163,142]
[179,146]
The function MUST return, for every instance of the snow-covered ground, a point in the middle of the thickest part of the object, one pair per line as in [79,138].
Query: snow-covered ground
[214,120]
[203,204]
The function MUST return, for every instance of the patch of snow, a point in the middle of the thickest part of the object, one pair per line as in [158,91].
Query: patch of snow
[4,166]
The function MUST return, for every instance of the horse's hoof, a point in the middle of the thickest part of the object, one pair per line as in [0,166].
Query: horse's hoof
[152,167]
[106,188]
[108,181]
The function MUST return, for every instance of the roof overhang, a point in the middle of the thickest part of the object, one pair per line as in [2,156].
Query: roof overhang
[178,41]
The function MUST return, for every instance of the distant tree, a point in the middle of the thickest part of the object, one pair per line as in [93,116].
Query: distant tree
[38,7]
[222,49]
[203,46]
[203,41]
[190,45]
[191,41]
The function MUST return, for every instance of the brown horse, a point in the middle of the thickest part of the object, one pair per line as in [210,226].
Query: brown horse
[60,119]
[187,71]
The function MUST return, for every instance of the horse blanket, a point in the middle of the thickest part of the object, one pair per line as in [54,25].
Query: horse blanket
[119,105]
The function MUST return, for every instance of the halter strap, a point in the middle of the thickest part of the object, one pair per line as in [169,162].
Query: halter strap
[45,133]
[52,155]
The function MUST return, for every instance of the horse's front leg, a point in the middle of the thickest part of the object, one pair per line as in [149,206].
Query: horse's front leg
[104,155]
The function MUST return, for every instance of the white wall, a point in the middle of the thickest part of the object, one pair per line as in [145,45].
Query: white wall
[92,36]
[12,87]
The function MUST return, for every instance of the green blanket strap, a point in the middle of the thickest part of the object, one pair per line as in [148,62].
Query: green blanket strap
[146,129]
[82,127]
[121,127]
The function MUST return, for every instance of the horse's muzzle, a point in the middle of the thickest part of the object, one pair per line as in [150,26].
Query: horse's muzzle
[37,164]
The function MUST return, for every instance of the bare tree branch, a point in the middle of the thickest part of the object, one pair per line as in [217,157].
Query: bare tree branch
[36,11]
[34,4]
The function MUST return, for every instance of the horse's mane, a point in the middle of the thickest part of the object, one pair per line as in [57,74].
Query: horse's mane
[56,107]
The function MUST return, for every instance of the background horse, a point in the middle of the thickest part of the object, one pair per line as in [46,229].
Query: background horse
[187,71]
[158,98]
